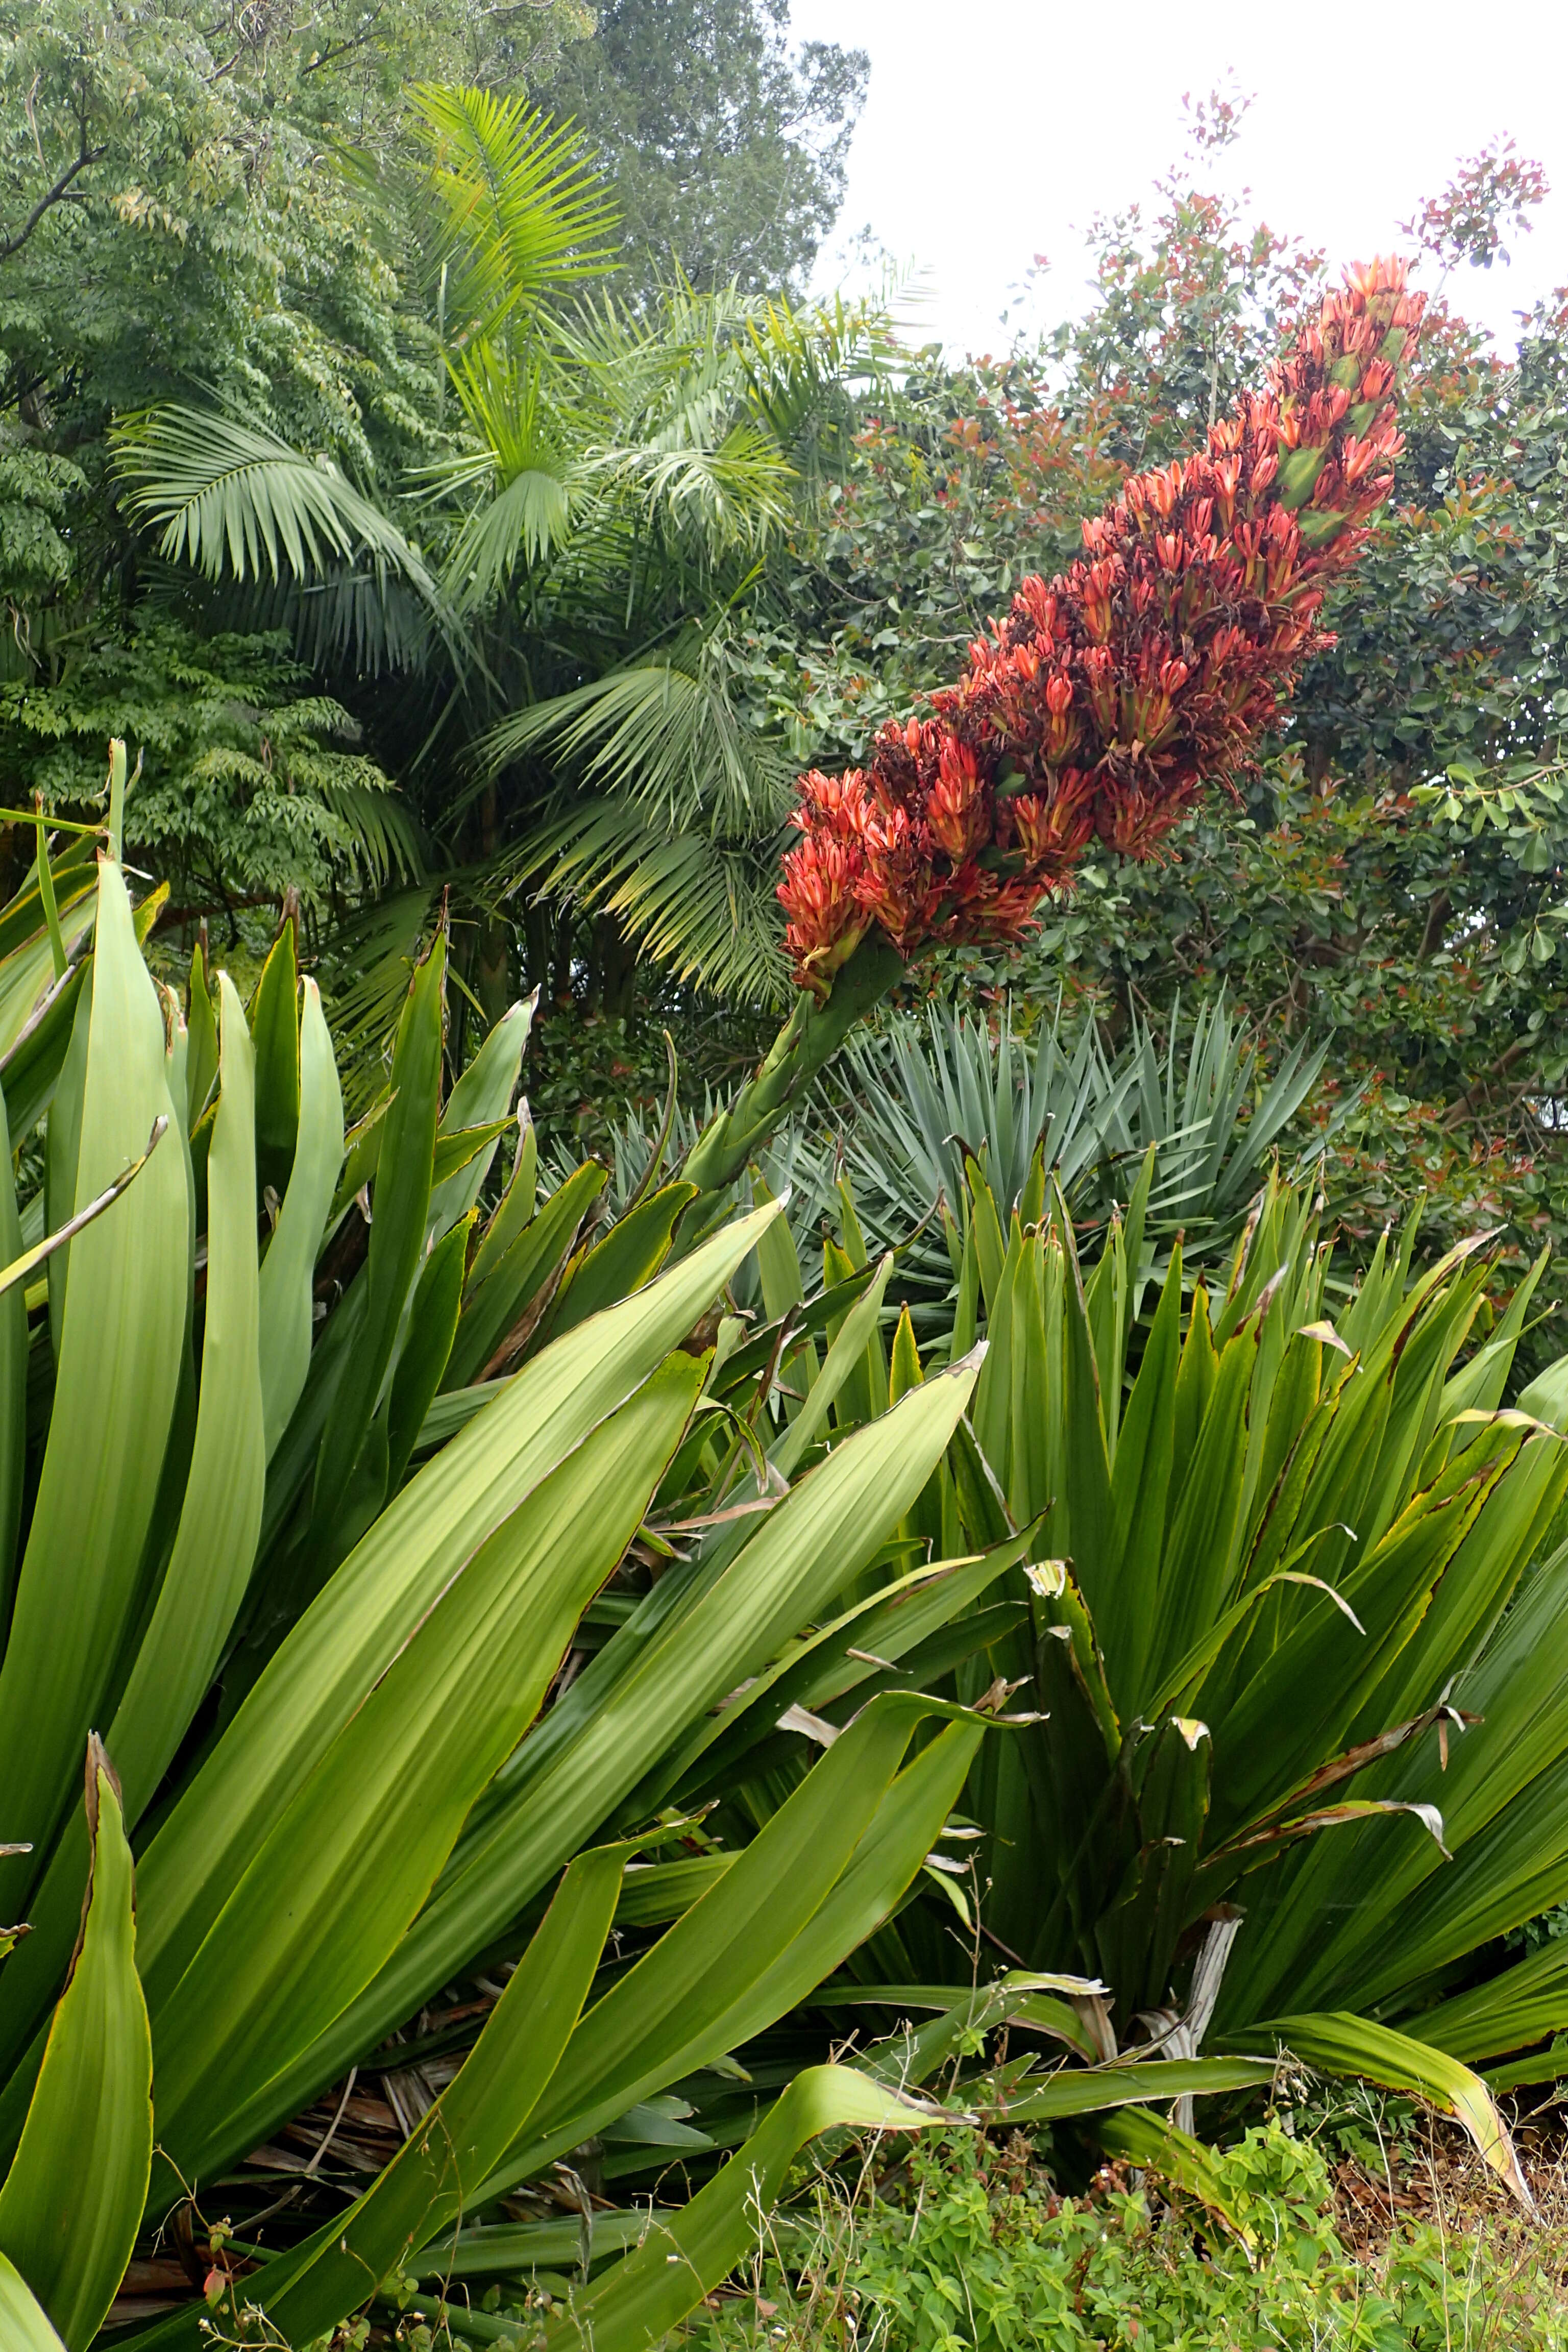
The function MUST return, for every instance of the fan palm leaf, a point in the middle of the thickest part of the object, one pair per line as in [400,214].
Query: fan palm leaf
[664,732]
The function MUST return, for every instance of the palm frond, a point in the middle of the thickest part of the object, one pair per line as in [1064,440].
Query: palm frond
[702,908]
[233,499]
[526,211]
[665,733]
[364,970]
[733,492]
[523,471]
[376,826]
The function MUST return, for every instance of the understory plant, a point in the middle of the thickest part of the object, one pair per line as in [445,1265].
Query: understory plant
[970,2244]
[1295,1747]
[298,1600]
[492,1654]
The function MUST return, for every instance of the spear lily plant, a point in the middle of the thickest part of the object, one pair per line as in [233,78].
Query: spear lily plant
[1100,707]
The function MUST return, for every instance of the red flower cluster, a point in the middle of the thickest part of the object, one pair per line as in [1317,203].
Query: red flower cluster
[1110,696]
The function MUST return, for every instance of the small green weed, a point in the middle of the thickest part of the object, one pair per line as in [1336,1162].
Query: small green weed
[973,2252]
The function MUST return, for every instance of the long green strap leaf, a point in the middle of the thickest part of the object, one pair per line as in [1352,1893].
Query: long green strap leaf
[274,1013]
[481,1095]
[13,1387]
[844,1356]
[289,1264]
[401,1201]
[1090,2090]
[459,2142]
[381,1593]
[1158,2147]
[332,1890]
[598,1741]
[790,1911]
[210,1562]
[1340,2044]
[492,1308]
[123,1337]
[73,2197]
[24,2325]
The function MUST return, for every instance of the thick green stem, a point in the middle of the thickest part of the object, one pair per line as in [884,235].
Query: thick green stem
[811,1037]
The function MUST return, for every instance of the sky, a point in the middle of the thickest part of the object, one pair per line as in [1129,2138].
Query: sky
[995,133]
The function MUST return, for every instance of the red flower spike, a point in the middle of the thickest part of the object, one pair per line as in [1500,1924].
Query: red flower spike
[1107,699]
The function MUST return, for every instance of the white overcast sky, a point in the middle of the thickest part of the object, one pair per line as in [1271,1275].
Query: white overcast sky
[994,131]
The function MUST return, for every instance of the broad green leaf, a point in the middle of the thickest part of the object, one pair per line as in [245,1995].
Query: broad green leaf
[516,1207]
[72,2199]
[275,1023]
[432,1325]
[825,1665]
[1091,2090]
[845,1354]
[423,2193]
[630,1255]
[642,1690]
[481,1097]
[516,1288]
[1155,2145]
[401,1205]
[23,2324]
[288,1267]
[332,1889]
[210,1563]
[62,1142]
[201,1056]
[617,1719]
[13,1388]
[210,1560]
[361,1622]
[31,1069]
[1523,2004]
[1338,2043]
[122,1342]
[823,1874]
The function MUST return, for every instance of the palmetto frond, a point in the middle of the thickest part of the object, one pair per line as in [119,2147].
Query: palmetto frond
[376,829]
[523,470]
[731,494]
[526,212]
[679,839]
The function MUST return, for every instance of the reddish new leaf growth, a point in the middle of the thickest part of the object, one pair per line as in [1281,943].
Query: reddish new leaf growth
[1110,696]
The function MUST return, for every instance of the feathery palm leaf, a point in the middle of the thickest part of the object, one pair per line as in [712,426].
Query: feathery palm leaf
[526,212]
[233,498]
[701,907]
[663,732]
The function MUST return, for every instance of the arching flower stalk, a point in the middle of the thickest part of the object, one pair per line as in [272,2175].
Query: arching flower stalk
[1105,702]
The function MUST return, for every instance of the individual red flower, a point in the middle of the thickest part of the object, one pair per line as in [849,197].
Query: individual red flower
[1111,696]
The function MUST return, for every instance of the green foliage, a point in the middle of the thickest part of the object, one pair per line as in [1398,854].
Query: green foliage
[726,149]
[250,784]
[975,2251]
[354,1576]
